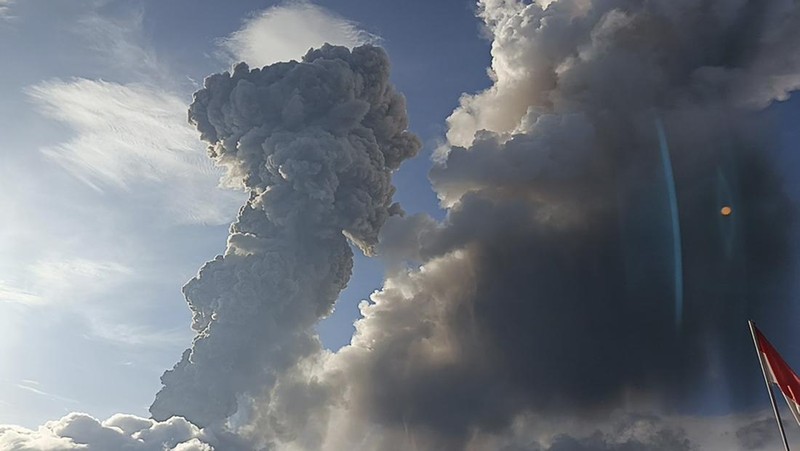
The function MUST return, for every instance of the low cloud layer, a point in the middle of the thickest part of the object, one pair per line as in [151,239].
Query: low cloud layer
[78,431]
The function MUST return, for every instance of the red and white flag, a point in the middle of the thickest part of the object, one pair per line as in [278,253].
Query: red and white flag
[779,373]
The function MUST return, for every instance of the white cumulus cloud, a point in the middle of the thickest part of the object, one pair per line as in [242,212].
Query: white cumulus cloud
[79,431]
[288,31]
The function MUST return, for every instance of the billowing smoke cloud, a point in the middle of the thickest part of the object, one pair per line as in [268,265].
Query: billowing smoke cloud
[558,286]
[314,143]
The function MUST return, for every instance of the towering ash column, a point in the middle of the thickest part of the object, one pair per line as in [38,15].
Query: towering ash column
[314,143]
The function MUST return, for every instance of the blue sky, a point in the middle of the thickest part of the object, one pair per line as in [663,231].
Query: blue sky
[110,204]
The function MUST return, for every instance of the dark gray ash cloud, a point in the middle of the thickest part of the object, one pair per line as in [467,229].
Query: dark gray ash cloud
[314,143]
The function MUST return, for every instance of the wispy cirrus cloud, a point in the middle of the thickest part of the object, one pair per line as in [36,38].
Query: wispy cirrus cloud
[123,133]
[286,32]
[5,9]
[36,388]
[119,43]
[135,138]
[13,294]
[138,335]
[52,280]
[77,275]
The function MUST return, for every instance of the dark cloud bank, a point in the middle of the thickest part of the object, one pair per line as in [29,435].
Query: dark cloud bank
[550,288]
[541,313]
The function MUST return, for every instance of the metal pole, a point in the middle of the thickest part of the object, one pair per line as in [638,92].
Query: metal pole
[769,387]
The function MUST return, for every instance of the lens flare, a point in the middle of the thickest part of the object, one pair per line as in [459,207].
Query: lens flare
[677,256]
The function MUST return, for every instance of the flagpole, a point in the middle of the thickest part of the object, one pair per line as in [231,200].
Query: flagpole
[769,387]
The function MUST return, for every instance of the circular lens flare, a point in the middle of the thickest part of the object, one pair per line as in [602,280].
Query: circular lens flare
[726,211]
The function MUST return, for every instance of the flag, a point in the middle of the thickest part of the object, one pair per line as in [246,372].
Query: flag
[778,372]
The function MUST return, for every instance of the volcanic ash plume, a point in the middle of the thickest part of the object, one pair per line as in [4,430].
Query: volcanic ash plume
[314,143]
